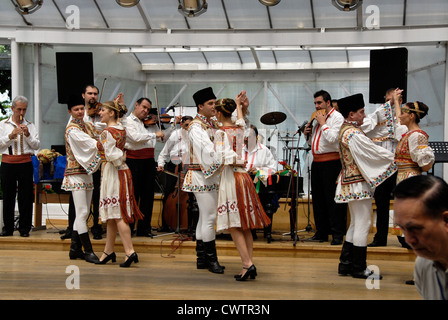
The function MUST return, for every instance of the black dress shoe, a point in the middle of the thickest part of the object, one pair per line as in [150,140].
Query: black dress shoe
[318,238]
[25,234]
[251,272]
[5,234]
[336,241]
[131,258]
[112,256]
[377,243]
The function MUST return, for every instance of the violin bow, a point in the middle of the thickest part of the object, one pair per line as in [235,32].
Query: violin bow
[102,89]
[158,110]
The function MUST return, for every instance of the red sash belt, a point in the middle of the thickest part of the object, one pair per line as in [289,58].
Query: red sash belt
[145,153]
[330,156]
[22,158]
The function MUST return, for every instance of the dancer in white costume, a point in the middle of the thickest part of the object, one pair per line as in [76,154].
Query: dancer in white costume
[83,159]
[239,207]
[117,202]
[364,166]
[202,178]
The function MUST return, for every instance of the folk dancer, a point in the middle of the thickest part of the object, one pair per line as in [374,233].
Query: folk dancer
[83,158]
[412,154]
[380,127]
[239,207]
[202,178]
[365,165]
[117,205]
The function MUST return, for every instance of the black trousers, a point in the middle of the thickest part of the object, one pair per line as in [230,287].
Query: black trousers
[17,179]
[144,179]
[383,195]
[329,217]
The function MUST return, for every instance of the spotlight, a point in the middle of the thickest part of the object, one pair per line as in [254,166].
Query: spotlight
[192,8]
[270,3]
[27,6]
[127,3]
[347,5]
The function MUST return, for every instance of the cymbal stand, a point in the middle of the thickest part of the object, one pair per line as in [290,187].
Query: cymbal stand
[294,192]
[308,227]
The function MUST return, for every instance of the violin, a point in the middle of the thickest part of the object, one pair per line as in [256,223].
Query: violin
[94,109]
[153,119]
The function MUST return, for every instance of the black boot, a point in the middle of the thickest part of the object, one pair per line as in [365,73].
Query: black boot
[360,269]
[212,257]
[201,262]
[89,255]
[346,259]
[76,247]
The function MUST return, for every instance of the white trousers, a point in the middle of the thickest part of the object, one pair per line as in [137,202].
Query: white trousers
[207,204]
[360,220]
[82,200]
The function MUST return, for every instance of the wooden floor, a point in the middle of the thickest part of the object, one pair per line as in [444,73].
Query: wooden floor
[36,268]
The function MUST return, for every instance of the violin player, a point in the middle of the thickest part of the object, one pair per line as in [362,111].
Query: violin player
[329,217]
[90,96]
[92,106]
[19,140]
[140,143]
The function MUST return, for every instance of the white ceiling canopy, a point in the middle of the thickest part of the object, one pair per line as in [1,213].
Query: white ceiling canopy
[233,34]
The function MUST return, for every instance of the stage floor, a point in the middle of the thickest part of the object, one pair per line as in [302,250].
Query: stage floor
[38,267]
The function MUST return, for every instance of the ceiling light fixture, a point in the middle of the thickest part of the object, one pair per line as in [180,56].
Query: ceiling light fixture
[270,3]
[27,6]
[192,8]
[347,5]
[127,3]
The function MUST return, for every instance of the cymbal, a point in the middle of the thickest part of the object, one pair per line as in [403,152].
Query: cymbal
[272,118]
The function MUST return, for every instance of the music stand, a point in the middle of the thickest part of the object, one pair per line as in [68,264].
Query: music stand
[440,152]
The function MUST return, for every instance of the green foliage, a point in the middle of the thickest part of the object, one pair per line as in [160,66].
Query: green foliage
[5,83]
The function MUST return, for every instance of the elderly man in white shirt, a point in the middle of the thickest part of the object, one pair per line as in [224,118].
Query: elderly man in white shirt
[19,140]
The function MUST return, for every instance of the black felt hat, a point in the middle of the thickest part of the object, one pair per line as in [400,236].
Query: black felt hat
[350,104]
[75,100]
[203,95]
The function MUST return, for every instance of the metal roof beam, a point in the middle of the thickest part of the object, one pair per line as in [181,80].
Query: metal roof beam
[383,37]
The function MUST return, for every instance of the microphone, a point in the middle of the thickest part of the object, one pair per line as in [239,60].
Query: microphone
[301,127]
[273,131]
[171,108]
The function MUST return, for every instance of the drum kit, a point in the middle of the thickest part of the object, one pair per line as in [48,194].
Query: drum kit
[277,117]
